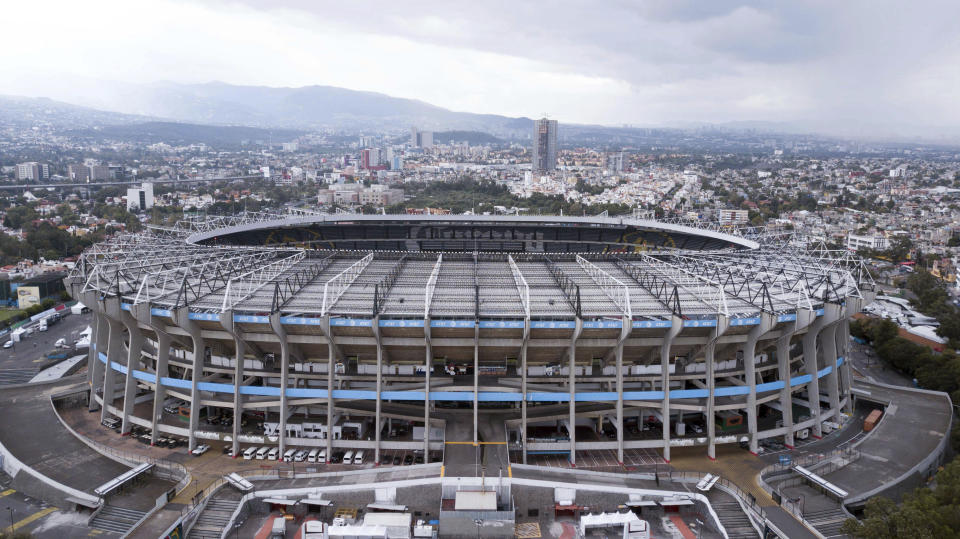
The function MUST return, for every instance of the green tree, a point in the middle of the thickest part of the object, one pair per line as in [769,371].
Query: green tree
[926,513]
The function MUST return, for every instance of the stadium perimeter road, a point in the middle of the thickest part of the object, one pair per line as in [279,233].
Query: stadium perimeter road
[913,426]
[30,430]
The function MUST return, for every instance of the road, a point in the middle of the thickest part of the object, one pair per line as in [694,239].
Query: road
[20,363]
[867,364]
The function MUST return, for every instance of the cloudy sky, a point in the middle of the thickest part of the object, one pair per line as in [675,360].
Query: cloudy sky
[850,66]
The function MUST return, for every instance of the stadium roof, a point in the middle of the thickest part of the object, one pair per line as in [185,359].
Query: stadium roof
[171,271]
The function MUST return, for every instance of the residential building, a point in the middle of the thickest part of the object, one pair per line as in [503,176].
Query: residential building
[877,242]
[78,173]
[732,217]
[33,171]
[140,199]
[421,139]
[99,173]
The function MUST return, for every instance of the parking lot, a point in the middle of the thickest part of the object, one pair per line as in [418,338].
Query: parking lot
[26,358]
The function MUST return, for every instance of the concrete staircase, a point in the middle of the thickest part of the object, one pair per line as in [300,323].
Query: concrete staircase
[734,520]
[116,519]
[213,519]
[827,521]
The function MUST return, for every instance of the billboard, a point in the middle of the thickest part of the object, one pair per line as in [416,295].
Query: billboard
[27,296]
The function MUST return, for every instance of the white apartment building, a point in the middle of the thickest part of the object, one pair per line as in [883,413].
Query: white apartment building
[876,242]
[33,171]
[732,217]
[140,199]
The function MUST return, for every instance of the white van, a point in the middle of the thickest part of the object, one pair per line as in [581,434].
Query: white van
[273,454]
[312,455]
[300,456]
[322,456]
[348,458]
[249,453]
[288,455]
[262,452]
[358,457]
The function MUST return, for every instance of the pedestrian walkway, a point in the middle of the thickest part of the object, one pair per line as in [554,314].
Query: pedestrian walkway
[59,370]
[116,519]
[213,519]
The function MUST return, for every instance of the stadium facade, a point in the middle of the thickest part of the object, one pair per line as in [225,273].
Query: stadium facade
[329,331]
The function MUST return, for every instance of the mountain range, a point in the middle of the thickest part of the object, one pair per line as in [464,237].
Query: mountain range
[307,107]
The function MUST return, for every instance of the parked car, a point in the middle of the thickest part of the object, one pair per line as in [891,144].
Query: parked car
[200,449]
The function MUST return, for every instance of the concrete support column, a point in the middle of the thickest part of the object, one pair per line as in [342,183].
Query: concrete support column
[284,377]
[828,339]
[134,352]
[114,353]
[783,373]
[428,361]
[376,423]
[675,328]
[749,353]
[810,365]
[240,348]
[476,380]
[852,306]
[709,356]
[141,312]
[523,389]
[99,338]
[160,391]
[573,390]
[625,329]
[182,319]
[331,357]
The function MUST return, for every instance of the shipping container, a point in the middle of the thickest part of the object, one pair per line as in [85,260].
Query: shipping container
[872,420]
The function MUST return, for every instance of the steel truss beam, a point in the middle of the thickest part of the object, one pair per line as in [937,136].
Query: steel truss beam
[611,286]
[382,288]
[284,290]
[570,289]
[523,289]
[335,287]
[707,292]
[431,286]
[243,286]
[752,287]
[828,285]
[665,292]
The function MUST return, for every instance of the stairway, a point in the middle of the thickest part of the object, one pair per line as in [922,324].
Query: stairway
[213,519]
[734,520]
[116,519]
[828,521]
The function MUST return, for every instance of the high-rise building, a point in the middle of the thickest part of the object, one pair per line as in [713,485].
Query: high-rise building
[421,139]
[426,139]
[99,173]
[369,158]
[615,162]
[140,199]
[544,145]
[33,171]
[79,173]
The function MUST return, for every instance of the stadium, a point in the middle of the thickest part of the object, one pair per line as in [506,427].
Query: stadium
[543,334]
